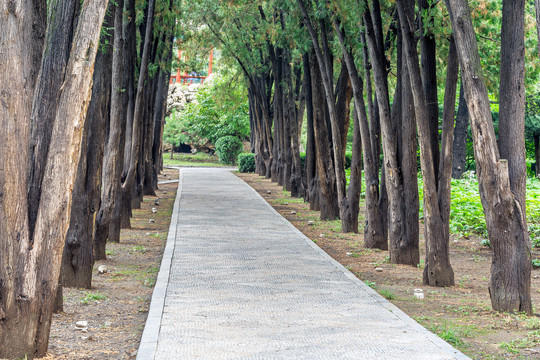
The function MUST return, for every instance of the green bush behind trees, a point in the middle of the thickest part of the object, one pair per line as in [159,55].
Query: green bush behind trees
[246,163]
[221,109]
[227,148]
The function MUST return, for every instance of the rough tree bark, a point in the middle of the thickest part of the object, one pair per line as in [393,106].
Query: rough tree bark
[327,73]
[30,262]
[136,131]
[459,159]
[403,113]
[506,223]
[310,164]
[373,229]
[428,58]
[78,258]
[325,166]
[398,237]
[112,161]
[437,271]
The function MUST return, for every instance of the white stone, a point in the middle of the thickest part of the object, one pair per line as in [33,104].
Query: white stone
[293,212]
[378,269]
[81,324]
[311,222]
[151,221]
[102,269]
[154,210]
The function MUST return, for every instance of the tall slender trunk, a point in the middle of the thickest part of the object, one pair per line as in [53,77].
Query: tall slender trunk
[373,231]
[325,167]
[461,129]
[78,258]
[112,161]
[512,260]
[310,162]
[437,271]
[134,163]
[510,282]
[398,237]
[428,57]
[326,74]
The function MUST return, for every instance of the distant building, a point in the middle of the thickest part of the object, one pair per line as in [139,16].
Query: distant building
[192,77]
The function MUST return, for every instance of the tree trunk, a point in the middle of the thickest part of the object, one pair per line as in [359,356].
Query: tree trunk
[134,164]
[437,271]
[78,258]
[407,251]
[428,47]
[29,282]
[310,162]
[112,161]
[327,74]
[459,160]
[512,148]
[510,281]
[297,189]
[373,231]
[397,225]
[325,167]
[59,37]
[160,109]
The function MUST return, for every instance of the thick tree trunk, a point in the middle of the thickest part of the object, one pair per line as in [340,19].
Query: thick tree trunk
[325,167]
[428,47]
[398,236]
[437,271]
[407,251]
[51,78]
[112,161]
[78,258]
[510,282]
[325,66]
[134,171]
[512,148]
[459,159]
[297,189]
[161,107]
[373,229]
[30,264]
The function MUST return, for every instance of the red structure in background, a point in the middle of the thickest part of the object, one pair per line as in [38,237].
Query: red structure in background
[190,79]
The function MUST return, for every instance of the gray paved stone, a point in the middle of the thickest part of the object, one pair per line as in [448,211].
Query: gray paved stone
[245,284]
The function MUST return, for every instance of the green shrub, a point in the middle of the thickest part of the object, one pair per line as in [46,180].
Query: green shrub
[228,148]
[246,162]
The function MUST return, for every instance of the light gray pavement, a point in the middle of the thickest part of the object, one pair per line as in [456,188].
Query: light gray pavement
[238,281]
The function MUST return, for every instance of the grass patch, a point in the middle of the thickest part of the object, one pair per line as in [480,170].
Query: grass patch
[514,346]
[452,333]
[184,159]
[94,297]
[387,294]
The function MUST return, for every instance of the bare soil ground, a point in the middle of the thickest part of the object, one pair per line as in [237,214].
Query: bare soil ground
[117,305]
[460,314]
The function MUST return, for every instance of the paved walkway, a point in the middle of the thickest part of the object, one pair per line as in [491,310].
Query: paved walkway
[238,281]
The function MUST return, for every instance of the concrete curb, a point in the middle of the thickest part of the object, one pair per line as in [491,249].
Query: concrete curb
[150,336]
[443,345]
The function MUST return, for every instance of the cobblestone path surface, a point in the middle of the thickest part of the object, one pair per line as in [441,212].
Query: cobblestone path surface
[238,281]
